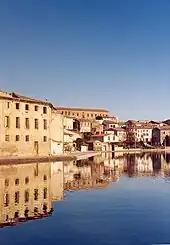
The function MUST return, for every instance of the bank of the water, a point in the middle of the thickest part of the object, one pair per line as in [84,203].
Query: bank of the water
[25,159]
[140,150]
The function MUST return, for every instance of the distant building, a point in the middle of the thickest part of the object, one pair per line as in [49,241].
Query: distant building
[160,135]
[109,124]
[85,126]
[81,113]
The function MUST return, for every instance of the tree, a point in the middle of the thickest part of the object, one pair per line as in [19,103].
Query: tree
[79,143]
[130,134]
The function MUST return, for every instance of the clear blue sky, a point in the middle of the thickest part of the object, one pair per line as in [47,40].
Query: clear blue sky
[112,54]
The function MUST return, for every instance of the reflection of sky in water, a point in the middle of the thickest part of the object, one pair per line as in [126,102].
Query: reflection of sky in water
[131,211]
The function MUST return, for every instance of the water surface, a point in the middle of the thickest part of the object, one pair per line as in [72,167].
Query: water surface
[125,200]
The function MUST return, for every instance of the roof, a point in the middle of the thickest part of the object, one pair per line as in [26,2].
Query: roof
[119,129]
[109,122]
[84,120]
[22,98]
[110,129]
[81,109]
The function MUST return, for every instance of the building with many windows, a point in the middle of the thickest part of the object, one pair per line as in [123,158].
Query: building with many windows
[25,126]
[81,113]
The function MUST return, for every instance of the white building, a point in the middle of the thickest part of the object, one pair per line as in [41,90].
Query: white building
[68,123]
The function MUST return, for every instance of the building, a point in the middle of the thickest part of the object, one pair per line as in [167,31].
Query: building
[120,133]
[80,113]
[68,123]
[24,125]
[56,133]
[159,135]
[144,133]
[85,126]
[109,124]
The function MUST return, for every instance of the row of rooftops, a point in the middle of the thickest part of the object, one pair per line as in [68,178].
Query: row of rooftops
[17,97]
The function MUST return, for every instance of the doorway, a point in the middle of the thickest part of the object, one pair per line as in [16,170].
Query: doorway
[36,147]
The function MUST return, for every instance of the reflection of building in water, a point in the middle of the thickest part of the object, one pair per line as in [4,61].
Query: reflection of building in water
[57,180]
[24,190]
[84,174]
[143,164]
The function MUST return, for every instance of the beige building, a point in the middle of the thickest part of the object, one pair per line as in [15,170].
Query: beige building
[68,123]
[25,190]
[80,113]
[29,127]
[24,125]
[85,126]
[56,133]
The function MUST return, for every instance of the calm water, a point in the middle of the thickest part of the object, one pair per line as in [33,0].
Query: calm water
[125,200]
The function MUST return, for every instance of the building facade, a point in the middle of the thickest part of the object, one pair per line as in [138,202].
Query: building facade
[24,125]
[29,127]
[80,113]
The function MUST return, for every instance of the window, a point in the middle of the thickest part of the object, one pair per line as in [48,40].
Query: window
[45,177]
[27,123]
[17,197]
[36,194]
[36,108]
[17,122]
[62,112]
[45,124]
[26,180]
[7,137]
[69,113]
[45,110]
[17,182]
[27,107]
[65,113]
[7,122]
[45,138]
[6,199]
[8,104]
[26,196]
[36,123]
[17,138]
[108,138]
[6,182]
[91,115]
[45,193]
[17,106]
[27,138]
